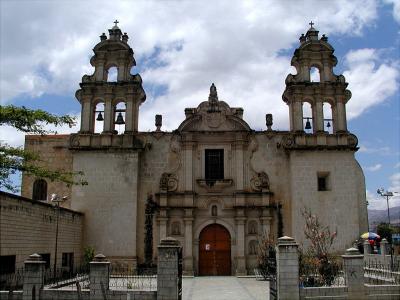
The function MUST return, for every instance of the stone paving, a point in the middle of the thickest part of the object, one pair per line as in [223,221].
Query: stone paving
[224,288]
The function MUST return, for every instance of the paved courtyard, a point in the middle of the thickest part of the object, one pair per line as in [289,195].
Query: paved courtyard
[224,288]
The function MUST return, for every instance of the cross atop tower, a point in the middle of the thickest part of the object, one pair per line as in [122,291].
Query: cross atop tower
[311,23]
[116,22]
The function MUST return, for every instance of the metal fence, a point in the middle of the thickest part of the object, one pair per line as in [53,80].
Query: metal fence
[315,273]
[127,278]
[12,281]
[381,273]
[67,279]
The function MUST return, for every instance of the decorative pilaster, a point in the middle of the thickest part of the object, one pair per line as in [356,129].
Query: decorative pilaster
[240,244]
[188,248]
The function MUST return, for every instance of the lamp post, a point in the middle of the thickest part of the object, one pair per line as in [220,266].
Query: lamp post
[57,200]
[388,194]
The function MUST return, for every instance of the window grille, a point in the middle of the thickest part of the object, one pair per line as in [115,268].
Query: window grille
[214,159]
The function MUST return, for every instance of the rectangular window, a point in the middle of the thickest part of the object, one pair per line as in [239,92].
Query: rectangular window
[46,258]
[214,159]
[68,260]
[323,181]
[7,264]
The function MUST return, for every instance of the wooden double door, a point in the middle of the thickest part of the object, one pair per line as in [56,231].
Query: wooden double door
[215,251]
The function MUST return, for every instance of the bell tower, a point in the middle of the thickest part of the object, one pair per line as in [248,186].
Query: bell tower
[325,88]
[111,52]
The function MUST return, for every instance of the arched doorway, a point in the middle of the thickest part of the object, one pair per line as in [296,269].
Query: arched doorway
[215,251]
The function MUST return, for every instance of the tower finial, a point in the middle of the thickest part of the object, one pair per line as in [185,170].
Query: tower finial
[116,23]
[311,23]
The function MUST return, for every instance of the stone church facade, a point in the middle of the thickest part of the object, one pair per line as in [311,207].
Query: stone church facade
[214,184]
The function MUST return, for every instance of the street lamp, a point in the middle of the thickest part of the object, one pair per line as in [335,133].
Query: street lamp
[57,200]
[388,194]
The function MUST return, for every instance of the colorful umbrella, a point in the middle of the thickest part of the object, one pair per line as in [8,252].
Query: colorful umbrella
[370,236]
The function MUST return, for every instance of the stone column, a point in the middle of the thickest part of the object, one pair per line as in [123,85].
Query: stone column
[297,115]
[188,165]
[287,263]
[188,249]
[240,240]
[130,115]
[239,163]
[99,276]
[33,277]
[108,115]
[353,263]
[341,115]
[319,116]
[162,220]
[86,115]
[169,283]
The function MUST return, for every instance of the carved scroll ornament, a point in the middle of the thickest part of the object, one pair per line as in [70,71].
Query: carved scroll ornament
[168,182]
[260,182]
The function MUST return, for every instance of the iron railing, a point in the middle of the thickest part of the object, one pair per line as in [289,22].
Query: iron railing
[127,278]
[67,279]
[381,274]
[315,273]
[12,281]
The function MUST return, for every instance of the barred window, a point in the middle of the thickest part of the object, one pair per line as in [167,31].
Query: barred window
[214,159]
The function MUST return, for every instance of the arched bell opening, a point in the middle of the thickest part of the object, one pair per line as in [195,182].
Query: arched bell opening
[120,117]
[328,119]
[112,74]
[307,118]
[98,118]
[315,74]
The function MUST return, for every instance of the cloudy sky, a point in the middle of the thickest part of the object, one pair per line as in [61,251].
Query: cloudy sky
[181,47]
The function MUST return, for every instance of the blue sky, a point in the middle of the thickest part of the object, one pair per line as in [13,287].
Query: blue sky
[181,47]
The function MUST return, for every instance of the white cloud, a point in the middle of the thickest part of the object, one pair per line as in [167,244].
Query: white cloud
[397,165]
[371,79]
[234,44]
[374,168]
[396,9]
[375,150]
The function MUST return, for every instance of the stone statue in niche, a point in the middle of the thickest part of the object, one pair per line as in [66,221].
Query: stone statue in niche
[176,228]
[253,228]
[214,211]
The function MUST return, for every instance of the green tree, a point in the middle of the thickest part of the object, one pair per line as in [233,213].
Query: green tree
[16,159]
[385,231]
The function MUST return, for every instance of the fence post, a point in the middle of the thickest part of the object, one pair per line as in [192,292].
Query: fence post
[384,247]
[99,275]
[367,247]
[168,281]
[353,263]
[33,277]
[287,262]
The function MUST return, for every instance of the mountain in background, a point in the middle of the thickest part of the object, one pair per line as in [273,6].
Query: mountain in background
[380,216]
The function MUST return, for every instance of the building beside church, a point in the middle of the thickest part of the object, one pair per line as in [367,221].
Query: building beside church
[214,184]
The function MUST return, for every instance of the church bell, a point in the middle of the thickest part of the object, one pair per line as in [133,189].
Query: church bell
[120,119]
[308,124]
[100,117]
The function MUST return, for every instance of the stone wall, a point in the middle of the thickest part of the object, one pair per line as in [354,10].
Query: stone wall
[55,155]
[109,202]
[28,226]
[342,206]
